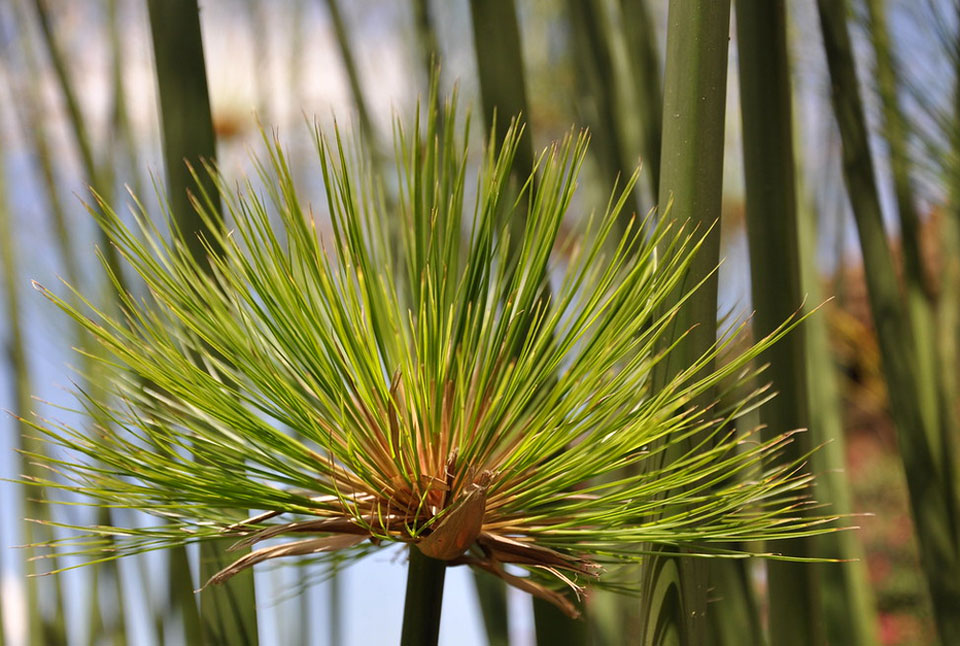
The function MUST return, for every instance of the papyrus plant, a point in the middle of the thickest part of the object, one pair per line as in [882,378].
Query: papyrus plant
[415,376]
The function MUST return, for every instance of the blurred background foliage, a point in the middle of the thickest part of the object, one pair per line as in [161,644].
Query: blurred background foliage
[834,128]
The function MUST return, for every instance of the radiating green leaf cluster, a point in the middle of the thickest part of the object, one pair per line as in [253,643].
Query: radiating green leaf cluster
[401,376]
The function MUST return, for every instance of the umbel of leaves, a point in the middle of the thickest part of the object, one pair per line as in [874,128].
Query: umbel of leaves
[445,373]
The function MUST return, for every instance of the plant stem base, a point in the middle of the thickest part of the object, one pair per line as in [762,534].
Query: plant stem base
[421,610]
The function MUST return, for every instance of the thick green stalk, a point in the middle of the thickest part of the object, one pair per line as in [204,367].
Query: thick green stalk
[691,180]
[180,598]
[496,39]
[185,116]
[926,462]
[599,96]
[554,627]
[733,617]
[229,611]
[848,605]
[424,600]
[499,56]
[691,177]
[645,59]
[609,617]
[335,585]
[771,206]
[493,605]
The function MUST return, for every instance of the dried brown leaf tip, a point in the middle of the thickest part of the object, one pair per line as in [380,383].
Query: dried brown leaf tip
[459,523]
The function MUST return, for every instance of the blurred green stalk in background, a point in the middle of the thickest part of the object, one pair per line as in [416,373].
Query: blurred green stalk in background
[503,95]
[926,450]
[228,613]
[771,207]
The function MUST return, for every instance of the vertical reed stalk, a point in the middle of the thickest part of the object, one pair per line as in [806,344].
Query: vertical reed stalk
[645,59]
[554,627]
[894,130]
[499,56]
[848,604]
[601,103]
[185,116]
[691,180]
[228,612]
[771,206]
[926,460]
[336,609]
[424,600]
[734,617]
[493,606]
[694,107]
[496,39]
